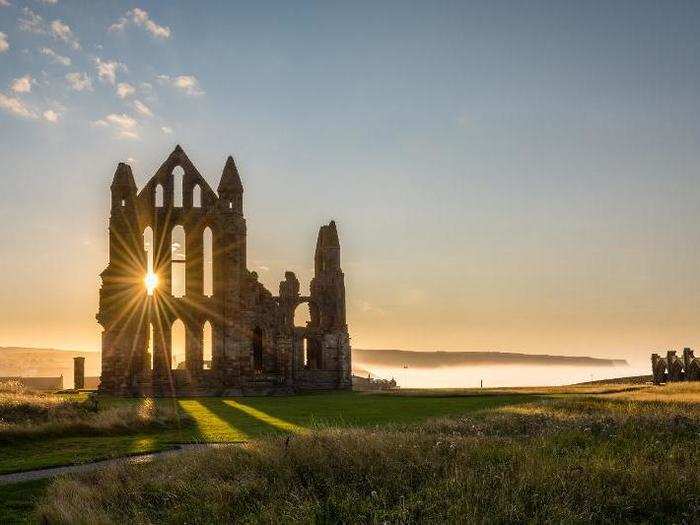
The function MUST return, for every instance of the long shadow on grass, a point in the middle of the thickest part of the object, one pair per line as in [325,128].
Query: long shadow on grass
[218,421]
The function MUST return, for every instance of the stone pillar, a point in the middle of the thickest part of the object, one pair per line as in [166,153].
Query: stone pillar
[78,373]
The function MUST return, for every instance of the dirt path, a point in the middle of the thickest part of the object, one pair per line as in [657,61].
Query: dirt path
[31,475]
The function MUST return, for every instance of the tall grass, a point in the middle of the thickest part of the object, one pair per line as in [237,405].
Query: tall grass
[573,459]
[28,415]
[18,404]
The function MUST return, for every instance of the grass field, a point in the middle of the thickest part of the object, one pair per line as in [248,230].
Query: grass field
[235,420]
[582,453]
[225,420]
[611,455]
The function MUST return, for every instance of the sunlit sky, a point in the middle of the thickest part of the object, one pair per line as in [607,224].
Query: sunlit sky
[518,176]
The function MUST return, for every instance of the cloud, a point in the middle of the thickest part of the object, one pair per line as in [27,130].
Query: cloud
[49,1]
[22,84]
[124,90]
[107,70]
[130,135]
[4,44]
[51,116]
[118,26]
[16,107]
[189,84]
[123,121]
[5,3]
[142,108]
[125,126]
[79,81]
[167,130]
[31,22]
[62,32]
[140,18]
[55,57]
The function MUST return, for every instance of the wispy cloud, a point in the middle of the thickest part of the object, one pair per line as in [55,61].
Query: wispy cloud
[5,3]
[122,121]
[48,1]
[63,32]
[31,22]
[4,44]
[55,57]
[189,84]
[124,90]
[167,130]
[142,108]
[16,107]
[22,84]
[79,81]
[125,126]
[51,116]
[107,69]
[140,18]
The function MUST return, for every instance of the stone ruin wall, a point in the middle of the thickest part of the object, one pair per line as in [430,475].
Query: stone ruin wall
[673,368]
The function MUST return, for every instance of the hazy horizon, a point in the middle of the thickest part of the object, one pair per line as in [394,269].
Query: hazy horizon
[505,177]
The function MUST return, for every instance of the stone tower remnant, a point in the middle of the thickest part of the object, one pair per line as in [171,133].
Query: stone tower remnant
[78,373]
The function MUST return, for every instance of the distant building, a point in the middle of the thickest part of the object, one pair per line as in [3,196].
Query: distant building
[255,349]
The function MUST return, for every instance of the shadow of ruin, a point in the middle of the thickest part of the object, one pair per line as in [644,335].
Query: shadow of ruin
[253,344]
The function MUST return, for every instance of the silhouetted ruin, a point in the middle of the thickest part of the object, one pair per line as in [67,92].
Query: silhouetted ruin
[254,347]
[671,368]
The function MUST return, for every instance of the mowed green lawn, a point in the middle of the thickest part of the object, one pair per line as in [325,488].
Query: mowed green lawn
[239,419]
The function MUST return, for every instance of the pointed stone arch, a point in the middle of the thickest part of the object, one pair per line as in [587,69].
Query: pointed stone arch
[178,342]
[208,262]
[178,263]
[158,196]
[207,345]
[178,176]
[197,196]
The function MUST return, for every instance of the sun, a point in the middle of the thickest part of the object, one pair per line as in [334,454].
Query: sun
[151,281]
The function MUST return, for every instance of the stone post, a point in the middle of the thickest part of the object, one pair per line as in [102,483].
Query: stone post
[78,373]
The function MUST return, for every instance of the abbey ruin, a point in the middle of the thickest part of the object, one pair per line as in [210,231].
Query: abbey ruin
[671,368]
[158,236]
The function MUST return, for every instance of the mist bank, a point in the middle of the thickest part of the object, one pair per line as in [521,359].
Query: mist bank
[439,359]
[503,375]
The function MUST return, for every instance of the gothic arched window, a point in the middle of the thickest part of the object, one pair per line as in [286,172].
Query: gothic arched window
[159,198]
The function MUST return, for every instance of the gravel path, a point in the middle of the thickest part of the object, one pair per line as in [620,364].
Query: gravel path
[31,475]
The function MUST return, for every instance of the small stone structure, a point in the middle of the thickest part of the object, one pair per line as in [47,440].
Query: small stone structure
[78,373]
[671,368]
[255,347]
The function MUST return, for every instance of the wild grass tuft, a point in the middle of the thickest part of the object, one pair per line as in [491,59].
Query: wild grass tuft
[27,415]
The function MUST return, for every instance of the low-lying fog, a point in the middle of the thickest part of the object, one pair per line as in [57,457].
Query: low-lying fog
[501,375]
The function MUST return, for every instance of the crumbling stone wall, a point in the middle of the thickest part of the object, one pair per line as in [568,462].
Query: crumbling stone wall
[672,368]
[256,348]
